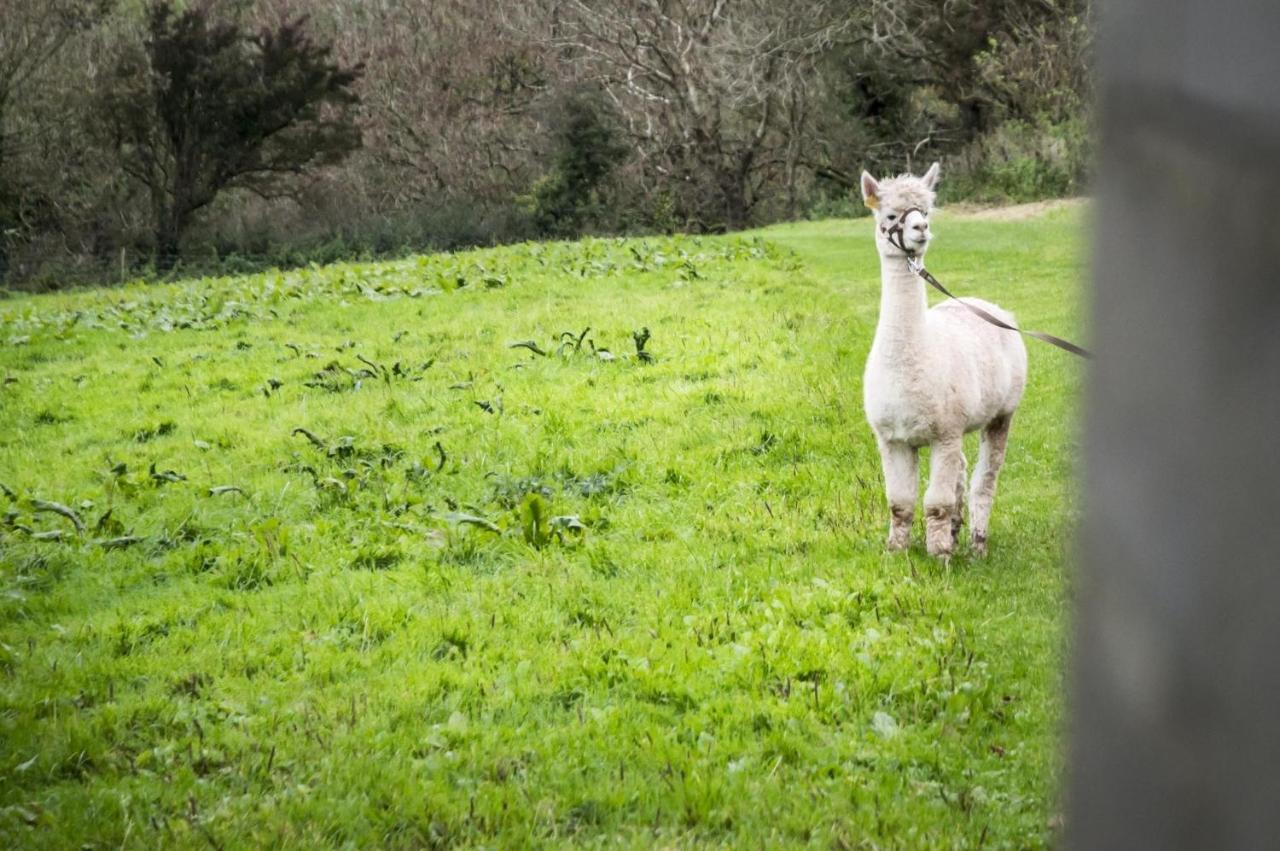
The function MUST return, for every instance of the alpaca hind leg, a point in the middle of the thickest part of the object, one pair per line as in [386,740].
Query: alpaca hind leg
[957,518]
[982,493]
[902,483]
[940,503]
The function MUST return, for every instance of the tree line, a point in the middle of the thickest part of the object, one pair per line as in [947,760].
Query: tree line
[139,136]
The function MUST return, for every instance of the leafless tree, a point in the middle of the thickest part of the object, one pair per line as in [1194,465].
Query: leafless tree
[714,94]
[449,98]
[984,55]
[32,32]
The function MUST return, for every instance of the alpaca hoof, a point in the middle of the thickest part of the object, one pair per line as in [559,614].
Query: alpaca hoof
[978,543]
[939,533]
[939,542]
[942,549]
[899,530]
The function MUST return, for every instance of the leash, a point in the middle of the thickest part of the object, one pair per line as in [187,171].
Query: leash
[917,265]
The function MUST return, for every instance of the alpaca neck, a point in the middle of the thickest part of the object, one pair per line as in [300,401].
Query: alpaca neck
[902,308]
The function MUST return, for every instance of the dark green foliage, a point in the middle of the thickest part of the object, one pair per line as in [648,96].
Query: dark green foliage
[205,106]
[588,148]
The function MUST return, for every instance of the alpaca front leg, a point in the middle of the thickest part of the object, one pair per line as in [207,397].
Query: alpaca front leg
[982,492]
[941,507]
[902,482]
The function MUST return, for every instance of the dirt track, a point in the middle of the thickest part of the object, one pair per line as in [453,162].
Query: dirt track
[1012,213]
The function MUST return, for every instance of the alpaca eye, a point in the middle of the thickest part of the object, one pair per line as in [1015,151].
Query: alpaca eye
[893,216]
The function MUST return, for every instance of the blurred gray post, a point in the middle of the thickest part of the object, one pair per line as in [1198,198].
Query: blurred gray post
[1175,698]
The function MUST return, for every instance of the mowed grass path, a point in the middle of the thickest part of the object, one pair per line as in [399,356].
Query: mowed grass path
[509,600]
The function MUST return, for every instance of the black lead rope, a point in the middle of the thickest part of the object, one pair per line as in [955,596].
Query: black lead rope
[917,266]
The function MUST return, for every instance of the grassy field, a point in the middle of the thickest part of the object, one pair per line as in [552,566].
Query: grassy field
[334,564]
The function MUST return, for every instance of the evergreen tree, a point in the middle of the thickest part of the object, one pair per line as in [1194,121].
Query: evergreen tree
[588,148]
[205,107]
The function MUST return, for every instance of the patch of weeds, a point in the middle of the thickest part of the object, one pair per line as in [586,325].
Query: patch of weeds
[606,483]
[469,550]
[360,629]
[273,537]
[200,559]
[186,533]
[510,492]
[241,570]
[641,339]
[334,492]
[677,699]
[601,561]
[108,525]
[453,644]
[345,448]
[333,377]
[425,468]
[539,528]
[588,615]
[46,416]
[574,344]
[150,433]
[8,658]
[374,558]
[193,685]
[460,519]
[128,637]
[164,477]
[567,699]
[257,563]
[768,440]
[583,815]
[673,476]
[75,767]
[397,371]
[507,768]
[36,571]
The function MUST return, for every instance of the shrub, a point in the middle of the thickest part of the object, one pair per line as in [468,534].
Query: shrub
[1021,161]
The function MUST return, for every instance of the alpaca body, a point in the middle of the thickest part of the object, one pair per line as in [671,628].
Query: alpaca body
[955,375]
[931,377]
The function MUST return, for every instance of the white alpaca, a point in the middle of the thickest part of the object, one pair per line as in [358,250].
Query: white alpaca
[932,376]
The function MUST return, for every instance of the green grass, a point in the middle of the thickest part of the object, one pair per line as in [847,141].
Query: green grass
[515,600]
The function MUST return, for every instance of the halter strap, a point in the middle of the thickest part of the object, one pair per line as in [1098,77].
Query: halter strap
[897,229]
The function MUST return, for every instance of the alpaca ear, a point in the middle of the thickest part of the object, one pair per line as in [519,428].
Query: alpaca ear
[931,176]
[870,191]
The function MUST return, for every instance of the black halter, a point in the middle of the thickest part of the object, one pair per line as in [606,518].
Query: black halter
[896,230]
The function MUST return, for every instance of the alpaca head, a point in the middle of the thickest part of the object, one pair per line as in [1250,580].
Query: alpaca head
[901,206]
